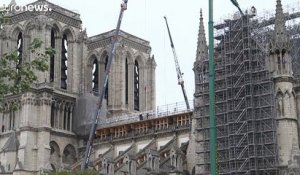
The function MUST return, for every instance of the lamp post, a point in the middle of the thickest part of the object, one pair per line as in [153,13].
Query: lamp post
[235,3]
[212,116]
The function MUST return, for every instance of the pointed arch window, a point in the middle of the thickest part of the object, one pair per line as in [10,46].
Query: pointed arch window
[67,119]
[64,62]
[126,81]
[20,53]
[136,86]
[106,90]
[12,117]
[3,125]
[52,56]
[95,71]
[283,61]
[52,120]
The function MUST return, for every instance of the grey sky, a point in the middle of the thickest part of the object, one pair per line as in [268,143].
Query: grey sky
[144,18]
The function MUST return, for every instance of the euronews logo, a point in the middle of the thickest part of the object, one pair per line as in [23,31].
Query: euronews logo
[4,9]
[25,8]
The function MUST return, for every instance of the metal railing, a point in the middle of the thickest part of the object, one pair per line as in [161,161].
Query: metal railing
[160,111]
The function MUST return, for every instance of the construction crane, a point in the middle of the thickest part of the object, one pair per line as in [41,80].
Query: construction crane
[89,145]
[179,73]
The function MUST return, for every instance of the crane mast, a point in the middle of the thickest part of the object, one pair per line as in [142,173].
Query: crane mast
[179,73]
[89,145]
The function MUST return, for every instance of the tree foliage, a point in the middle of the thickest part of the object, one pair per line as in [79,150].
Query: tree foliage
[86,172]
[18,74]
[3,18]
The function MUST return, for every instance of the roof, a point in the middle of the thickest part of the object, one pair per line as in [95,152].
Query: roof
[58,9]
[12,143]
[122,34]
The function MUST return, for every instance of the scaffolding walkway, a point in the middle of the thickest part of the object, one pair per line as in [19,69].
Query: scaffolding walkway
[161,111]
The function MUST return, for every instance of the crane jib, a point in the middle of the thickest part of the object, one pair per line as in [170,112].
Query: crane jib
[92,134]
[179,74]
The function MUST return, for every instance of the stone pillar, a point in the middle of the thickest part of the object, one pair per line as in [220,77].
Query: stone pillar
[149,84]
[70,78]
[45,110]
[27,152]
[176,156]
[142,83]
[75,67]
[297,99]
[57,62]
[152,165]
[43,150]
[108,166]
[130,165]
[130,86]
[111,86]
[287,122]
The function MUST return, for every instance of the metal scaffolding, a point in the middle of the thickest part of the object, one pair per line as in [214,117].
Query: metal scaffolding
[245,104]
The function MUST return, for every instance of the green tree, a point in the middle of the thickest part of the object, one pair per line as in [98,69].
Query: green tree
[3,18]
[18,74]
[86,172]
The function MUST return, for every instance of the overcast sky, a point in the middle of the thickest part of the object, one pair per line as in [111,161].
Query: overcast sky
[144,18]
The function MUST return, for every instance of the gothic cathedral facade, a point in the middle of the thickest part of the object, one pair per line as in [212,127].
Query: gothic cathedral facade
[39,135]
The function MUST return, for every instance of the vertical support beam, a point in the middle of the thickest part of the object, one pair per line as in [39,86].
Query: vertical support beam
[212,120]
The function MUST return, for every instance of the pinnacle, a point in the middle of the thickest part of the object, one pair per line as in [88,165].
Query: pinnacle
[202,50]
[280,34]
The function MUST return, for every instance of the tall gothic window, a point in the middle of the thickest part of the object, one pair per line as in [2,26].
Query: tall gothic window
[20,53]
[52,57]
[136,86]
[12,121]
[106,90]
[67,118]
[95,76]
[279,62]
[64,62]
[126,81]
[52,115]
[3,125]
[283,61]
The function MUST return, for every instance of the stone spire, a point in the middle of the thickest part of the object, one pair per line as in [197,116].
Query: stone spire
[202,50]
[280,40]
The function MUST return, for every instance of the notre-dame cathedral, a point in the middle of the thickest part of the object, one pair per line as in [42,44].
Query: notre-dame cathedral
[257,100]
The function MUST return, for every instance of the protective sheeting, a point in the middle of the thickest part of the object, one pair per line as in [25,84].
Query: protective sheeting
[86,108]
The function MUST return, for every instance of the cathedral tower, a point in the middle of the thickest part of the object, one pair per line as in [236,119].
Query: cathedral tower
[279,63]
[39,135]
[131,83]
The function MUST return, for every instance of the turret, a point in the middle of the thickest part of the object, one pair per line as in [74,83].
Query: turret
[279,61]
[280,66]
